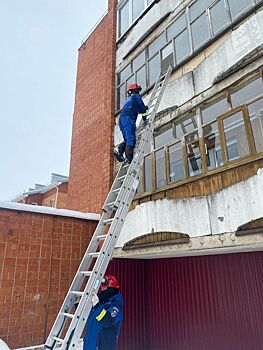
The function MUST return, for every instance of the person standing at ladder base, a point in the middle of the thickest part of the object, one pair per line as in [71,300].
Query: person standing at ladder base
[127,122]
[104,321]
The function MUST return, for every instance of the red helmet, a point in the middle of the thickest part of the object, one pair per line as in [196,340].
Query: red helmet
[110,281]
[134,87]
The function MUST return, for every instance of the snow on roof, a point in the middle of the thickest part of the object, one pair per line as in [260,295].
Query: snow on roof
[49,211]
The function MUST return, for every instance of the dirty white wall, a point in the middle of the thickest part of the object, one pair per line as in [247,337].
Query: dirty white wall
[221,212]
[247,38]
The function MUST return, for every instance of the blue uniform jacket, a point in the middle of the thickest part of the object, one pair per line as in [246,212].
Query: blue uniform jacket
[129,113]
[133,106]
[103,324]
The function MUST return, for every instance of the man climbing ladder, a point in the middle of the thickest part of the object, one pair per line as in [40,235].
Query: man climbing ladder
[70,322]
[127,122]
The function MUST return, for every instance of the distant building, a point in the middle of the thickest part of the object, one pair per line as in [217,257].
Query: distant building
[52,195]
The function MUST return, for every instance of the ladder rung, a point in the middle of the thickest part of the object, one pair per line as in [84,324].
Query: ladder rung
[76,292]
[101,237]
[67,315]
[116,190]
[122,177]
[108,221]
[95,254]
[86,273]
[110,204]
[58,339]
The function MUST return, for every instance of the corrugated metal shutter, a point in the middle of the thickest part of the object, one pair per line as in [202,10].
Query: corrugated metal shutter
[193,303]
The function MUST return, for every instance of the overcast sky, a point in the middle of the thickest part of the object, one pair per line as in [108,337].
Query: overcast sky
[38,60]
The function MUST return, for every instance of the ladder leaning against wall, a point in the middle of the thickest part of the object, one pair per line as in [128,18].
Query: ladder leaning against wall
[72,317]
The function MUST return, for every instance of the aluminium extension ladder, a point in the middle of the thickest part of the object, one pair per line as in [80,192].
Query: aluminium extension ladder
[72,317]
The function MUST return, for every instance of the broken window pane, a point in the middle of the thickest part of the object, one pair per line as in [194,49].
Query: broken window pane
[137,8]
[239,7]
[212,146]
[219,16]
[256,118]
[124,18]
[200,31]
[160,168]
[213,110]
[176,27]
[163,138]
[154,68]
[167,55]
[193,153]
[235,136]
[157,44]
[182,46]
[148,173]
[176,162]
[247,92]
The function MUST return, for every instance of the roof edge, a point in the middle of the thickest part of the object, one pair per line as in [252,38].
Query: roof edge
[49,211]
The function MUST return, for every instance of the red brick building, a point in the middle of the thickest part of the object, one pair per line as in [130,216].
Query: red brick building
[41,249]
[91,165]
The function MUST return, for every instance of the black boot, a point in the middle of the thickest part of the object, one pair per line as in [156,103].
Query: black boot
[119,154]
[129,154]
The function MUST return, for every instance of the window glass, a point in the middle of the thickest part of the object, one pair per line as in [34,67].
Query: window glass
[138,61]
[141,77]
[198,7]
[182,46]
[247,92]
[213,110]
[157,44]
[131,80]
[200,31]
[212,146]
[176,162]
[238,7]
[163,138]
[148,173]
[154,68]
[235,136]
[137,8]
[176,27]
[124,74]
[193,153]
[160,168]
[167,56]
[123,18]
[219,17]
[188,125]
[256,118]
[121,96]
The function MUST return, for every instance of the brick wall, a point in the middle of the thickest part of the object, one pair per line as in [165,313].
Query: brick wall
[39,257]
[91,165]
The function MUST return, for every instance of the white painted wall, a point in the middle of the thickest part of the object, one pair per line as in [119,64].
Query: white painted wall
[221,212]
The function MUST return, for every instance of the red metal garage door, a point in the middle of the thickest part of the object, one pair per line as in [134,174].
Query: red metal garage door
[194,303]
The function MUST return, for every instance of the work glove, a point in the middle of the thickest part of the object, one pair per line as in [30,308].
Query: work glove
[94,300]
[144,118]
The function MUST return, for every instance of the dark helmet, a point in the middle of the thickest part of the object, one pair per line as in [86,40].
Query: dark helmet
[133,88]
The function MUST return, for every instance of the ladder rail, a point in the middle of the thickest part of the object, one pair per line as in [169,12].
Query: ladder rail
[124,188]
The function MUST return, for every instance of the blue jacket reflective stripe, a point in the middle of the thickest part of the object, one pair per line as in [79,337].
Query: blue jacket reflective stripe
[133,106]
[103,328]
